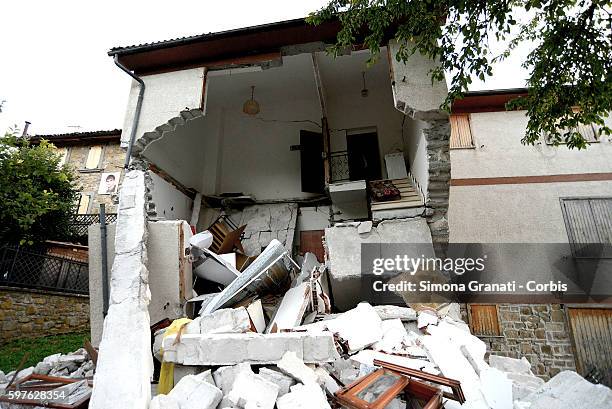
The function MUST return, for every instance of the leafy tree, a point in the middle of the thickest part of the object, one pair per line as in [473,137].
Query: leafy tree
[37,194]
[569,66]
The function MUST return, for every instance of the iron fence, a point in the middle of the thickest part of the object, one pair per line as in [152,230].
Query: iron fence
[33,268]
[81,222]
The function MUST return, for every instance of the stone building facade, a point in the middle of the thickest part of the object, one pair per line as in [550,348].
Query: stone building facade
[93,156]
[539,333]
[28,313]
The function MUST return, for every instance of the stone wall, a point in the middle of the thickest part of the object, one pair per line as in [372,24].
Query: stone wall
[438,154]
[32,313]
[540,333]
[112,160]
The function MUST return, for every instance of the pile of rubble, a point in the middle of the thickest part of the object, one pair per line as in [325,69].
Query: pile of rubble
[249,348]
[68,376]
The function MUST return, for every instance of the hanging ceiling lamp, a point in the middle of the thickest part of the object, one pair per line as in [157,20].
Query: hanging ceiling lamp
[251,107]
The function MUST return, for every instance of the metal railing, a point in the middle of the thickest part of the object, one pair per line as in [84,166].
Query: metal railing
[33,268]
[81,222]
[339,166]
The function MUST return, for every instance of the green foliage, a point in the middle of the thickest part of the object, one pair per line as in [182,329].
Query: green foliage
[570,64]
[38,348]
[37,195]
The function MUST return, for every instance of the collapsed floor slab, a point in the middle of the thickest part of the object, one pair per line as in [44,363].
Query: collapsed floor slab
[253,348]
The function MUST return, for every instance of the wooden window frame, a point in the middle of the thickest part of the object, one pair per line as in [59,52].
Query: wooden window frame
[469,127]
[470,320]
[99,167]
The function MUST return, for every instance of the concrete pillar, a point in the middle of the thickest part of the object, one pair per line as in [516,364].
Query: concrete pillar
[125,364]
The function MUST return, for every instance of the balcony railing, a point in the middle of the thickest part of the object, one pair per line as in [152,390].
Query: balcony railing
[339,166]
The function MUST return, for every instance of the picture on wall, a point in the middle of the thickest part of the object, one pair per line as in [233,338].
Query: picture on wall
[109,183]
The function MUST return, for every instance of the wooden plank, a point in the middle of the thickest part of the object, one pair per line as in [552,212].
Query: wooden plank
[402,205]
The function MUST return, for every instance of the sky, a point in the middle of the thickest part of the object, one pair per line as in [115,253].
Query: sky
[54,67]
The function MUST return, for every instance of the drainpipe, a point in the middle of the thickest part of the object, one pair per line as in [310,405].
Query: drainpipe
[104,251]
[141,84]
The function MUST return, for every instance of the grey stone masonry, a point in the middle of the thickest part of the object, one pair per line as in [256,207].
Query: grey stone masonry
[437,135]
[539,333]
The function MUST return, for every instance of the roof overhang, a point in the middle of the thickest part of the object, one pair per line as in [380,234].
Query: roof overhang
[79,138]
[486,101]
[207,49]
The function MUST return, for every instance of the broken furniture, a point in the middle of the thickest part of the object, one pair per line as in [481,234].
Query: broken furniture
[409,197]
[226,235]
[379,388]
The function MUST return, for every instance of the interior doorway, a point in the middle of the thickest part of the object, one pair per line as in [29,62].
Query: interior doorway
[363,156]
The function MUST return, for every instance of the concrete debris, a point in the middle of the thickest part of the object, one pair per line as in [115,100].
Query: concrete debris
[225,321]
[230,349]
[426,318]
[568,390]
[293,366]
[359,327]
[3,378]
[303,396]
[164,402]
[224,377]
[283,381]
[389,312]
[524,382]
[194,392]
[253,391]
[291,309]
[394,337]
[329,383]
[256,314]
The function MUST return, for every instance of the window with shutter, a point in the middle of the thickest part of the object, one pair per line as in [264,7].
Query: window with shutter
[93,157]
[588,222]
[588,132]
[461,134]
[63,153]
[484,320]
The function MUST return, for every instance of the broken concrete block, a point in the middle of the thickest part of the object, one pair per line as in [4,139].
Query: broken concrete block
[52,359]
[3,378]
[180,371]
[389,312]
[224,377]
[568,390]
[193,392]
[359,327]
[524,382]
[329,384]
[283,381]
[253,391]
[291,310]
[230,349]
[163,402]
[512,365]
[303,396]
[426,318]
[225,321]
[41,368]
[394,337]
[293,366]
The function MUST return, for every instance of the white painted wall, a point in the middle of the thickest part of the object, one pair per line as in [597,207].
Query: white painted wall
[499,152]
[313,218]
[166,95]
[415,152]
[171,204]
[518,212]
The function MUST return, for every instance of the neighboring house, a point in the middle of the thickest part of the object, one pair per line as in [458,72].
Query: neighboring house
[505,192]
[97,160]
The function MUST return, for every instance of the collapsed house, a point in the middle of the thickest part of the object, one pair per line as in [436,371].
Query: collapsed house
[284,161]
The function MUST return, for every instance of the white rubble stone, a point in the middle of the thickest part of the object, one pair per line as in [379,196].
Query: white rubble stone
[24,373]
[163,402]
[303,396]
[52,359]
[254,348]
[193,392]
[496,388]
[389,312]
[125,364]
[224,376]
[343,369]
[329,384]
[360,327]
[291,309]
[225,321]
[41,368]
[568,390]
[181,371]
[293,366]
[283,381]
[394,336]
[193,327]
[3,378]
[426,318]
[506,364]
[253,391]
